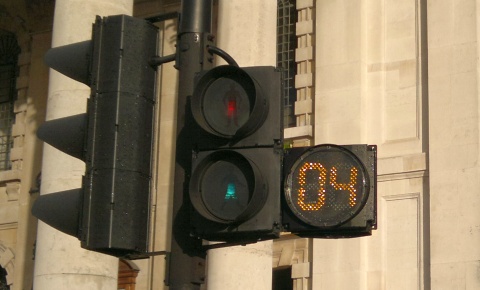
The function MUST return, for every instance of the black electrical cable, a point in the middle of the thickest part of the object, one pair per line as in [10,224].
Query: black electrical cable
[159,60]
[223,54]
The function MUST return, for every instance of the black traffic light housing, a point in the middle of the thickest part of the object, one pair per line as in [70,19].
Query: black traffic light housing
[330,191]
[110,213]
[120,136]
[237,114]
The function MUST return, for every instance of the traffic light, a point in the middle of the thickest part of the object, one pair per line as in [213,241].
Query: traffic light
[330,191]
[236,122]
[110,213]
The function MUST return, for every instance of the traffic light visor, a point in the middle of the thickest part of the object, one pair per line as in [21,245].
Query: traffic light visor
[59,210]
[72,60]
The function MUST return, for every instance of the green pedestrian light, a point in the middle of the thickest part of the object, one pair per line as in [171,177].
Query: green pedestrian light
[231,192]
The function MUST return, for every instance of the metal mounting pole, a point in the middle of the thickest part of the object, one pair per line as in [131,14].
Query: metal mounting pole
[187,259]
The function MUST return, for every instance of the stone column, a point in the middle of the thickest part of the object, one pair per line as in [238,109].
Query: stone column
[33,103]
[247,31]
[60,263]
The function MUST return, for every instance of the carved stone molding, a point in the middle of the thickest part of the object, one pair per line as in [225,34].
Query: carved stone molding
[13,190]
[294,252]
[7,261]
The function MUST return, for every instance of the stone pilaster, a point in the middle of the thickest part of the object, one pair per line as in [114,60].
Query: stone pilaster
[302,133]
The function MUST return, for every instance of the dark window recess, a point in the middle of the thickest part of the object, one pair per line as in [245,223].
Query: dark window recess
[282,278]
[9,51]
[286,45]
[3,280]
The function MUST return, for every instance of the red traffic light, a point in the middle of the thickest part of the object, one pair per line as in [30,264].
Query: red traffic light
[227,102]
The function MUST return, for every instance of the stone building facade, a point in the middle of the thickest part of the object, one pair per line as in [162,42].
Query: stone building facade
[404,75]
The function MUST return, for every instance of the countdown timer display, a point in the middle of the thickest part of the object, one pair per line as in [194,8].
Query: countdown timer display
[327,186]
